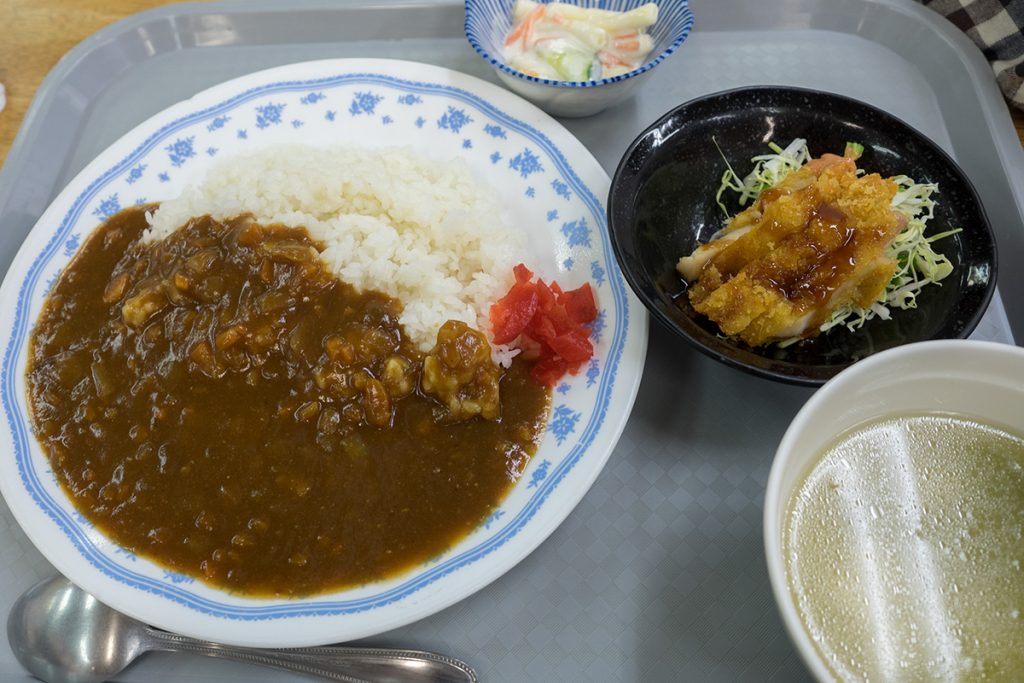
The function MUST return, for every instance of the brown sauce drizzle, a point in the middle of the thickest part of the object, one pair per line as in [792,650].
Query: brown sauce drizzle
[820,256]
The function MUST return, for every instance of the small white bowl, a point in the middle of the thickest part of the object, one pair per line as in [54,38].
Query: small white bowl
[977,379]
[489,21]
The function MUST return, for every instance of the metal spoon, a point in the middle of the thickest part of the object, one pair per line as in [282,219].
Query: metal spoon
[62,634]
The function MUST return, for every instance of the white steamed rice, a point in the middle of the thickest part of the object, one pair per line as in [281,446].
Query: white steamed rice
[424,232]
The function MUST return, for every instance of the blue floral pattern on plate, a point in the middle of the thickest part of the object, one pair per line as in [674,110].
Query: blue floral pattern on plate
[180,151]
[534,177]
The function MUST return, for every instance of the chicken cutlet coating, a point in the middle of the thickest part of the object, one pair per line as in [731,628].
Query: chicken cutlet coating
[812,243]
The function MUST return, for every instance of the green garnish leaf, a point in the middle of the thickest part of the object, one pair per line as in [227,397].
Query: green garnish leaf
[853,150]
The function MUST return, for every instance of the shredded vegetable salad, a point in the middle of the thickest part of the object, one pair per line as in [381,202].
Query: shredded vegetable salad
[918,263]
[563,42]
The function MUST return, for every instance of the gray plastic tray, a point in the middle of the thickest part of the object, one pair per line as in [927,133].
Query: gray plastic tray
[659,573]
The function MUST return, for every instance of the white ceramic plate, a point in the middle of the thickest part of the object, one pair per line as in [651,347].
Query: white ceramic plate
[551,187]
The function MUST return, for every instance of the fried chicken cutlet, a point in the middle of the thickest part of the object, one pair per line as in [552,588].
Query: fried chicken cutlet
[815,241]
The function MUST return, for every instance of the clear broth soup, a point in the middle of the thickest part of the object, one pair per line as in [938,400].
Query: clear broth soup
[904,549]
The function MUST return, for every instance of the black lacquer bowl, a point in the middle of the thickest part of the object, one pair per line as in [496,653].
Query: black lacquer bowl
[662,205]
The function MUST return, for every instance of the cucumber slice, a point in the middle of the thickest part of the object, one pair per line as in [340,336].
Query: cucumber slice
[575,66]
[571,65]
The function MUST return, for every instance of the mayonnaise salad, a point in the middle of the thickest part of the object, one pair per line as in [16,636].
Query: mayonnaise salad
[568,43]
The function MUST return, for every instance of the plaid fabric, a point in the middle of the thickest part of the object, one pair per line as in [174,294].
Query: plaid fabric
[997,27]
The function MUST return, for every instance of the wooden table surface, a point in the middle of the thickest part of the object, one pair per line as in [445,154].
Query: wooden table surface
[36,33]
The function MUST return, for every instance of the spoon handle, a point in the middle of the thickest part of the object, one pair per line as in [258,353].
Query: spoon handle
[345,664]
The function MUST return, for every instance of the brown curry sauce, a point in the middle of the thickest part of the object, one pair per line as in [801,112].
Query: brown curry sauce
[219,403]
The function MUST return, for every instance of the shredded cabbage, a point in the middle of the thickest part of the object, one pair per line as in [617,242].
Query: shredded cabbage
[769,170]
[918,264]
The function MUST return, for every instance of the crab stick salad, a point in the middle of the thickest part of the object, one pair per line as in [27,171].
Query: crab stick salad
[568,43]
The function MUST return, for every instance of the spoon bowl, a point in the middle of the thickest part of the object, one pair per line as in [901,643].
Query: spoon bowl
[61,634]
